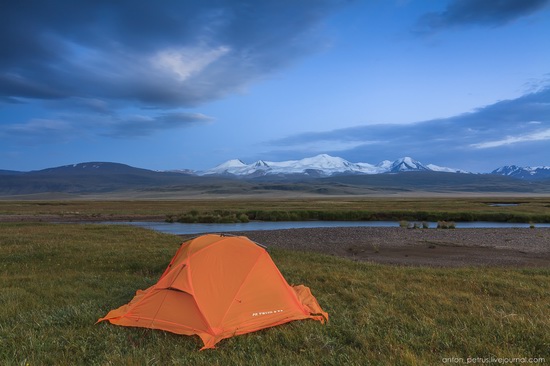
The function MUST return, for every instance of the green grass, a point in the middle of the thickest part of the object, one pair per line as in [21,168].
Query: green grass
[57,280]
[529,209]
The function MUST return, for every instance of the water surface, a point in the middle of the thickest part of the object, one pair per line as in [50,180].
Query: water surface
[180,228]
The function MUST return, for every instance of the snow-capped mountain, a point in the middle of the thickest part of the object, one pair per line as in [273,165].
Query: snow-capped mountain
[233,166]
[406,165]
[321,165]
[527,172]
[436,168]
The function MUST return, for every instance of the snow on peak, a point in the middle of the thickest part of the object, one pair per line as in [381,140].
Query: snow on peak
[527,172]
[94,165]
[507,170]
[437,168]
[407,164]
[233,166]
[324,161]
[384,164]
[233,163]
[322,165]
[260,164]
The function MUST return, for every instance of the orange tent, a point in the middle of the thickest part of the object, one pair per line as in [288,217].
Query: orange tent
[218,286]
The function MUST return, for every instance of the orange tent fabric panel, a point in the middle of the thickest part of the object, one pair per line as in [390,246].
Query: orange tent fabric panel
[217,287]
[219,272]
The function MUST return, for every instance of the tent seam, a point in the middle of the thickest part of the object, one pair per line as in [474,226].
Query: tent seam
[160,306]
[242,284]
[162,321]
[194,297]
[208,246]
[291,291]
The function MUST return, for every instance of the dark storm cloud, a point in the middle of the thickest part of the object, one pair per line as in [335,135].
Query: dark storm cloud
[506,129]
[173,53]
[478,12]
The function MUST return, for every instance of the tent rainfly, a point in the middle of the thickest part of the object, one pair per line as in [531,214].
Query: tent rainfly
[218,286]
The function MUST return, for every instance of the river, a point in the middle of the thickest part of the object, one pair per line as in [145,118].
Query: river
[179,228]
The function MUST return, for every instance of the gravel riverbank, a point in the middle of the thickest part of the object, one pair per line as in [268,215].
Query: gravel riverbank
[418,247]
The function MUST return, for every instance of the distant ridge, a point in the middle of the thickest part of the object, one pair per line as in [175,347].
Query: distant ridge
[94,168]
[527,173]
[9,172]
[90,177]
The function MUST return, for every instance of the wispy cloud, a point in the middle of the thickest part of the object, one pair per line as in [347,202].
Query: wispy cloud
[320,145]
[76,126]
[40,131]
[509,140]
[475,12]
[186,62]
[461,138]
[142,125]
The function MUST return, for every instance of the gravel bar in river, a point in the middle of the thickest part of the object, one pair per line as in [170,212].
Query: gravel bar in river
[517,247]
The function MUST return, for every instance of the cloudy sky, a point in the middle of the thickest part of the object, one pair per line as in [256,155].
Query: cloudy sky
[190,84]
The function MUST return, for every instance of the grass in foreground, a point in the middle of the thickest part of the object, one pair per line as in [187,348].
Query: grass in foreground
[57,280]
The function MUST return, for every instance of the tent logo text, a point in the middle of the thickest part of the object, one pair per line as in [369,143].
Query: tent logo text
[266,312]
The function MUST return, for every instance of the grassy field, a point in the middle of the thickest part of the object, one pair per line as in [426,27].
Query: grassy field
[56,280]
[528,209]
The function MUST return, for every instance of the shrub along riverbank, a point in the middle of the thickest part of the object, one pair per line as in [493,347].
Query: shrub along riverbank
[56,280]
[229,216]
[524,209]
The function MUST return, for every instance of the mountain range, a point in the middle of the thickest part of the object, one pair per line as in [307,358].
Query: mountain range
[322,165]
[527,172]
[321,174]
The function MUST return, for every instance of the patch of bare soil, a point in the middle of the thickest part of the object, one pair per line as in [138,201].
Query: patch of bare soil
[421,247]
